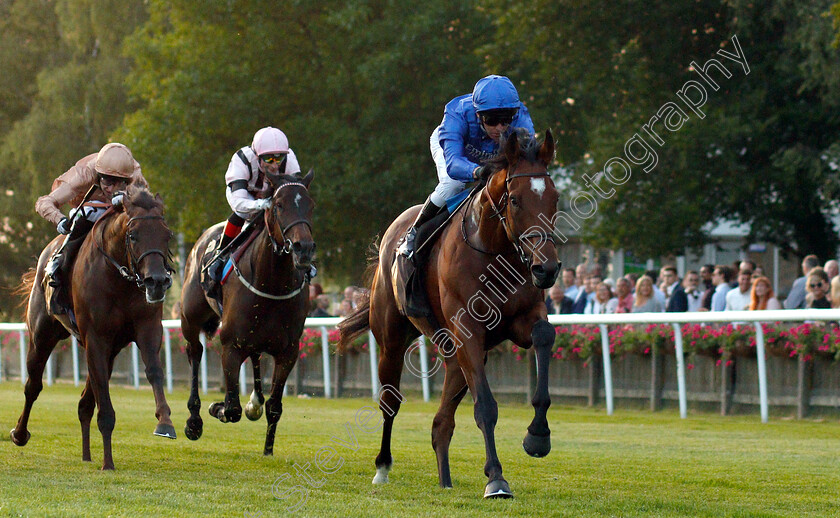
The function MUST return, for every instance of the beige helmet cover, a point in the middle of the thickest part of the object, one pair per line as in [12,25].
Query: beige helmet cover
[115,159]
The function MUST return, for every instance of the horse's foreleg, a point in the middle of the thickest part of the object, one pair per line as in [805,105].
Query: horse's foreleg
[274,405]
[194,425]
[148,341]
[87,404]
[454,389]
[537,442]
[98,373]
[253,408]
[229,411]
[486,411]
[45,334]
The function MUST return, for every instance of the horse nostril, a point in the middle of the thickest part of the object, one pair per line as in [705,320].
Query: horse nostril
[297,247]
[537,270]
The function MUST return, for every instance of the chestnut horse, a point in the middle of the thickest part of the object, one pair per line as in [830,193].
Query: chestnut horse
[127,249]
[265,306]
[500,235]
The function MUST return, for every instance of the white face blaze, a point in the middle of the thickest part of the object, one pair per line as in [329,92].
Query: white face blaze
[298,197]
[538,186]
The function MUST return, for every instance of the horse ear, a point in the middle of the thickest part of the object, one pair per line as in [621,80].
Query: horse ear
[308,178]
[273,179]
[547,149]
[512,149]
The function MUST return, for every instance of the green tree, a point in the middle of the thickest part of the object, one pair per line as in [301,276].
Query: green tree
[357,86]
[71,95]
[765,153]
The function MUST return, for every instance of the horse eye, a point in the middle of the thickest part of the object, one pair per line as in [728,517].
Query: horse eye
[514,202]
[132,237]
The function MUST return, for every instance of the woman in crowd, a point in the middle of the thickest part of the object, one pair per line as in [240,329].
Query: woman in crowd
[762,296]
[817,286]
[646,302]
[604,301]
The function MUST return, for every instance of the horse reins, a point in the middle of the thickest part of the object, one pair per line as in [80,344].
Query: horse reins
[498,211]
[130,273]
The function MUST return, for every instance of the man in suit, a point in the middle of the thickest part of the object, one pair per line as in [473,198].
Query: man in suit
[677,300]
[796,297]
[583,297]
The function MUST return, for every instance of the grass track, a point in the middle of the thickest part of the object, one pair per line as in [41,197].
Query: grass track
[630,464]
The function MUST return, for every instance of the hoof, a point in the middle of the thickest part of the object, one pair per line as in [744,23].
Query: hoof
[20,441]
[498,489]
[381,476]
[165,430]
[537,446]
[253,412]
[217,410]
[194,428]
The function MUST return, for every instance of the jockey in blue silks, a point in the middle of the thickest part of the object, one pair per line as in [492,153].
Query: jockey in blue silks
[468,138]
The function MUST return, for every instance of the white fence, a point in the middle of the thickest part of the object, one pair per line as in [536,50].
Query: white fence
[739,317]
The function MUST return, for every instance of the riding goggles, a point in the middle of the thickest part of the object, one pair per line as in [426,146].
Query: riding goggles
[273,159]
[494,118]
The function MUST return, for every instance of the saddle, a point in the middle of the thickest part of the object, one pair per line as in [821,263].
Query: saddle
[408,273]
[235,250]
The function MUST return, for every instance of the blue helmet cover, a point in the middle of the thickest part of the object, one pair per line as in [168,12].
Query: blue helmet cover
[494,92]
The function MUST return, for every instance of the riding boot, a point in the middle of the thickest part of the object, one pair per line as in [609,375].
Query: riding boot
[232,229]
[59,266]
[428,211]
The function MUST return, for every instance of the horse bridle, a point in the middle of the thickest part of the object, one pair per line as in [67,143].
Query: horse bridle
[287,243]
[130,273]
[498,210]
[287,248]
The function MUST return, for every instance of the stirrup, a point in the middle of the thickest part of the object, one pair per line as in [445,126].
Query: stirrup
[215,268]
[407,246]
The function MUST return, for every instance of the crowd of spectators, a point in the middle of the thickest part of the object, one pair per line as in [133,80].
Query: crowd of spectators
[741,286]
[324,305]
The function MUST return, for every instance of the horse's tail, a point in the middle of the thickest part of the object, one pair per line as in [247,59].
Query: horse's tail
[355,324]
[358,321]
[24,289]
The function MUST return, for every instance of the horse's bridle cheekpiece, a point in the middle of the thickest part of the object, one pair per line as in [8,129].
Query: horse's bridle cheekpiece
[130,273]
[498,210]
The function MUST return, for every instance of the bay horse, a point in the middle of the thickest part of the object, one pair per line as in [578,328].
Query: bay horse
[127,249]
[265,306]
[501,235]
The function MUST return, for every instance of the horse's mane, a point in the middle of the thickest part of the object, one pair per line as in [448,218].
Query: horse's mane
[140,197]
[529,149]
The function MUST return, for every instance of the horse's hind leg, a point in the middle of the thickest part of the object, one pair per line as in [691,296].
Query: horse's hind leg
[253,408]
[229,411]
[454,389]
[46,332]
[392,334]
[274,405]
[148,341]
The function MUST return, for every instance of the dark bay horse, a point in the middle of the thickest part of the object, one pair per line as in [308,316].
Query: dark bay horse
[117,285]
[477,288]
[266,302]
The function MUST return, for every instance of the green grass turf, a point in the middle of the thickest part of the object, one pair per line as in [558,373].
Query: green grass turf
[631,464]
